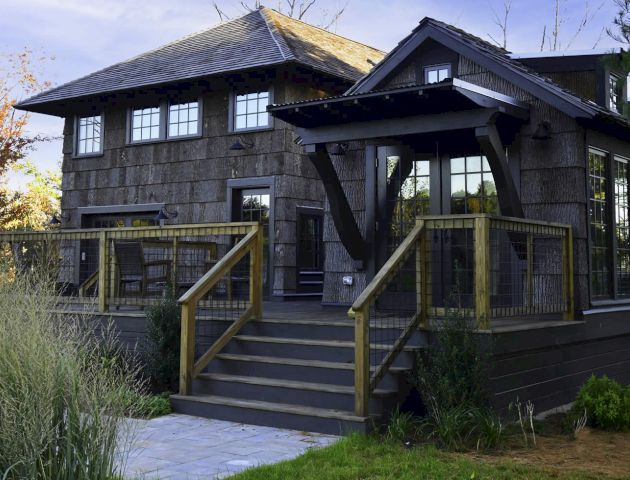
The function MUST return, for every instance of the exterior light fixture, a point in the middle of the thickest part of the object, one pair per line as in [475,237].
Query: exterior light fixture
[241,144]
[339,149]
[163,214]
[543,131]
[56,219]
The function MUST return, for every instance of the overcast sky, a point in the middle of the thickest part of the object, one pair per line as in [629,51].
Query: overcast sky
[84,36]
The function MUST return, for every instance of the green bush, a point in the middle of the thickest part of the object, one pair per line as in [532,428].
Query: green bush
[61,403]
[162,344]
[148,406]
[606,403]
[402,427]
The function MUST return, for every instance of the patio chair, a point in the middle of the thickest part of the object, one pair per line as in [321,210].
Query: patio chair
[133,269]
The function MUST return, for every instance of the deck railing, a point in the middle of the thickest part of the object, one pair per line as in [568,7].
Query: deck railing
[481,266]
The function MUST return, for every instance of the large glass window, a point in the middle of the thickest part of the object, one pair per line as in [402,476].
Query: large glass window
[250,111]
[600,236]
[89,135]
[614,92]
[145,124]
[183,119]
[472,186]
[622,226]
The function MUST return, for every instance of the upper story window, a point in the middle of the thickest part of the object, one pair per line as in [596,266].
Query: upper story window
[615,90]
[145,124]
[183,119]
[89,135]
[250,111]
[437,73]
[165,121]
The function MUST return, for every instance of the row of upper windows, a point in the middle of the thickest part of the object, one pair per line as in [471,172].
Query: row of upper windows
[172,121]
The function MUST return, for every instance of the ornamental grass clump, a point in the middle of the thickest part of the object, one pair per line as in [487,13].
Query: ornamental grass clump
[62,400]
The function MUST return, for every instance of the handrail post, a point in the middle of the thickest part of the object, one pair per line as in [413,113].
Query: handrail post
[421,277]
[187,352]
[256,273]
[482,272]
[567,274]
[103,267]
[362,361]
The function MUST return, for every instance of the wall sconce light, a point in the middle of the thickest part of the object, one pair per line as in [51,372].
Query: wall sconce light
[57,218]
[543,131]
[164,214]
[339,149]
[241,144]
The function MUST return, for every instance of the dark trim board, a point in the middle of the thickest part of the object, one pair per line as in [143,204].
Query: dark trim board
[548,366]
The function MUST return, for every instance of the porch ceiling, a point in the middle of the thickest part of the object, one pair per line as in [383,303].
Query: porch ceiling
[451,95]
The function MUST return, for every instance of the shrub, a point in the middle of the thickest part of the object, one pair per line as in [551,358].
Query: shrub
[60,404]
[148,406]
[162,344]
[402,427]
[605,403]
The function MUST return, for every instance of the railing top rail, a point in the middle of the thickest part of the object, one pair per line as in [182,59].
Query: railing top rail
[205,283]
[387,270]
[122,232]
[472,216]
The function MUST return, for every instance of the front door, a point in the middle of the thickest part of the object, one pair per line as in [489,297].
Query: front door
[412,185]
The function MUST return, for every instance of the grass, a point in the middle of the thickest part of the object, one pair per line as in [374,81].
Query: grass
[360,457]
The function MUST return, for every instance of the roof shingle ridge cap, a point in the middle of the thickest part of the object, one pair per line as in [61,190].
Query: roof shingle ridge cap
[348,39]
[273,31]
[135,57]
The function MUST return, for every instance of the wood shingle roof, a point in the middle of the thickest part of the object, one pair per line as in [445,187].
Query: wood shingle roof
[260,38]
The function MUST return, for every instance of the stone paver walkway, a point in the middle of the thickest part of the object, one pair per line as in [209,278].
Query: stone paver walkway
[184,447]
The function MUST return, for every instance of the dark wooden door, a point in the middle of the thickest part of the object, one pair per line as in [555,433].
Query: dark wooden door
[310,251]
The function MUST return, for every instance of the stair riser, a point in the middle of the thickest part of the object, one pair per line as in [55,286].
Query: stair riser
[307,352]
[293,372]
[273,394]
[266,418]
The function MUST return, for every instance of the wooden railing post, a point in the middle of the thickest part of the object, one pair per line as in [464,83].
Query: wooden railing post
[530,270]
[567,275]
[256,273]
[187,352]
[482,272]
[103,269]
[173,278]
[362,361]
[421,277]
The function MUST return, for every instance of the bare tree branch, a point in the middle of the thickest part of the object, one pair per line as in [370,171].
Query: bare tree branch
[544,35]
[502,23]
[586,19]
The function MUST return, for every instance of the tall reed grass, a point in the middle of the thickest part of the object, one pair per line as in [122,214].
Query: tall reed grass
[63,390]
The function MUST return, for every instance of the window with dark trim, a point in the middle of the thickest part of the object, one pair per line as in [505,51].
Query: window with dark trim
[615,89]
[183,119]
[599,224]
[89,135]
[145,124]
[472,186]
[250,110]
[165,121]
[622,226]
[437,73]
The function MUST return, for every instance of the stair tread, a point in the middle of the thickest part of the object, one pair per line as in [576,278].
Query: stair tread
[298,362]
[273,407]
[311,342]
[294,321]
[274,382]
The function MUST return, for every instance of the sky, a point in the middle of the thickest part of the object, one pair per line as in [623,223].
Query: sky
[82,36]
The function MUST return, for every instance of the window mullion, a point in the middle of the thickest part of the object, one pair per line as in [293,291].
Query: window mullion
[612,221]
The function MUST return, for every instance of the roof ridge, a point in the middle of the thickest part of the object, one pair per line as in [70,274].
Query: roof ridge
[348,39]
[274,32]
[135,57]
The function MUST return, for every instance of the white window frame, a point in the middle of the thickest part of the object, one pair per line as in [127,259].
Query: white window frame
[233,109]
[77,139]
[614,83]
[433,68]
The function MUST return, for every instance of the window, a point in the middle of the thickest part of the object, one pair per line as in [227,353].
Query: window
[437,73]
[622,225]
[472,186]
[89,135]
[183,119]
[250,111]
[165,121]
[614,91]
[598,208]
[145,124]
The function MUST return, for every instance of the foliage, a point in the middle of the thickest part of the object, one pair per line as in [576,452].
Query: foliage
[61,403]
[402,426]
[147,406]
[163,343]
[360,457]
[605,403]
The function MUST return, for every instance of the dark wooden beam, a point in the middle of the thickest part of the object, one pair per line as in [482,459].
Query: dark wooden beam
[340,210]
[395,127]
[493,149]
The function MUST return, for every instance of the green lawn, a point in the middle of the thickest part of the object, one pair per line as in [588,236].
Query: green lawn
[362,458]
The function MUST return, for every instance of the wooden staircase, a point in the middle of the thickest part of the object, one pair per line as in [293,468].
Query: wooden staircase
[295,370]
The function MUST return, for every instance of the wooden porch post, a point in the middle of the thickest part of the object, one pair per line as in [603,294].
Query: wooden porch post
[256,273]
[103,267]
[567,274]
[421,277]
[362,362]
[482,271]
[187,353]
